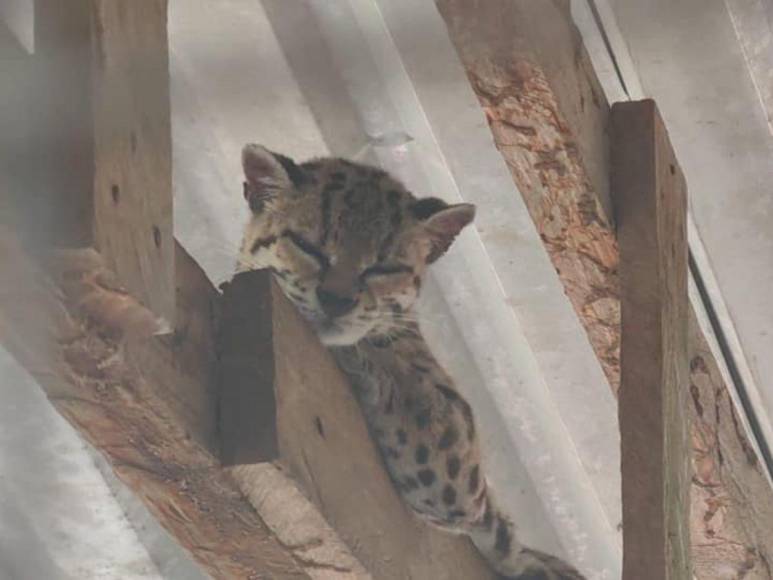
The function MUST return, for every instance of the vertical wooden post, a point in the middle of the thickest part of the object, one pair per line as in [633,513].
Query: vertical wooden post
[103,71]
[650,197]
[247,371]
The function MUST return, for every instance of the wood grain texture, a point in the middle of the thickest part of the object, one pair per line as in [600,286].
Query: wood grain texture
[530,105]
[105,111]
[297,523]
[325,446]
[731,499]
[651,212]
[149,404]
[549,119]
[140,405]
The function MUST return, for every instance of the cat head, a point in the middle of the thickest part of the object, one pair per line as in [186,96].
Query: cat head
[348,243]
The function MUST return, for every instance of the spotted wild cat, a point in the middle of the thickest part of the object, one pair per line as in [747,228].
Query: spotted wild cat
[349,246]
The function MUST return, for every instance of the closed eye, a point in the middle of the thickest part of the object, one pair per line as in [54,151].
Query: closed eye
[386,270]
[307,248]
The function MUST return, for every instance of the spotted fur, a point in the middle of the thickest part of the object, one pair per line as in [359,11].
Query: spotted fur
[349,245]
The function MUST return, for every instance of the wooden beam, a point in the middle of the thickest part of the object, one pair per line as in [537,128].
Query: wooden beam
[103,100]
[247,371]
[138,403]
[549,119]
[323,442]
[150,406]
[651,211]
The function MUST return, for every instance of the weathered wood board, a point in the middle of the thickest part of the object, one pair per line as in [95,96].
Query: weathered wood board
[550,121]
[651,213]
[322,440]
[103,99]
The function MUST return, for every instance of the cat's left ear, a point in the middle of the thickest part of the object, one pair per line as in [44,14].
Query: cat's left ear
[442,223]
[267,175]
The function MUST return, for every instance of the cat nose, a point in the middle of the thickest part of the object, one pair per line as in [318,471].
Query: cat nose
[335,305]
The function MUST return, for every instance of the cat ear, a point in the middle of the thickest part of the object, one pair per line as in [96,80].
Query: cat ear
[267,175]
[442,222]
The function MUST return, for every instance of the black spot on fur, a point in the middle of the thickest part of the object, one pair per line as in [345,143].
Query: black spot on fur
[422,454]
[474,479]
[297,297]
[423,418]
[449,495]
[262,243]
[427,207]
[392,453]
[457,514]
[426,477]
[395,217]
[326,209]
[449,437]
[467,413]
[429,502]
[447,392]
[452,466]
[402,436]
[410,483]
[503,540]
[297,175]
[307,247]
[311,165]
[488,516]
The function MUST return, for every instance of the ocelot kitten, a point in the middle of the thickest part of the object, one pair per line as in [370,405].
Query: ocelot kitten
[349,246]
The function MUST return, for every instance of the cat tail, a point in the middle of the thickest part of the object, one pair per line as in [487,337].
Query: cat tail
[494,536]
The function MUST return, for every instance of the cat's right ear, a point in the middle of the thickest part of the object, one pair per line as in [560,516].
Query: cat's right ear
[265,175]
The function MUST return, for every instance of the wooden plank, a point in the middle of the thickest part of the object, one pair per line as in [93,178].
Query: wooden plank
[651,206]
[325,445]
[550,123]
[247,371]
[549,119]
[121,408]
[149,405]
[105,115]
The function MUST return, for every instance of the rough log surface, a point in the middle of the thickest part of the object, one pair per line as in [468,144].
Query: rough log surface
[534,118]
